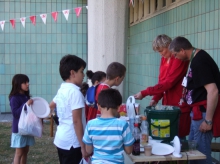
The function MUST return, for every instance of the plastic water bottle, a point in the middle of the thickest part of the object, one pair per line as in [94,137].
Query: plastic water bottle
[137,120]
[144,131]
[136,145]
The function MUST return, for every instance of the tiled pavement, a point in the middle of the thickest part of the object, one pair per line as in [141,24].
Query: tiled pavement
[5,117]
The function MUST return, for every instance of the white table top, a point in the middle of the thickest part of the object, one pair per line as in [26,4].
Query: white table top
[185,156]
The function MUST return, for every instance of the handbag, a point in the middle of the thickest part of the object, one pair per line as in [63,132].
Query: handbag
[29,123]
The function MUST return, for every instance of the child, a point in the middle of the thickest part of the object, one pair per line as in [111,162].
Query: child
[106,136]
[69,102]
[115,74]
[84,87]
[53,108]
[96,78]
[18,97]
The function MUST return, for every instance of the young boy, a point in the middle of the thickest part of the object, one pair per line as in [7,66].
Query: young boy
[69,102]
[106,136]
[115,74]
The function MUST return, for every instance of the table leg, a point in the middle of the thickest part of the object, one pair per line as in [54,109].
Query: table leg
[51,126]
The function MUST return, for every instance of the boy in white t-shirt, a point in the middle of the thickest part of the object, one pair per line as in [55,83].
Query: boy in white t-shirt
[70,104]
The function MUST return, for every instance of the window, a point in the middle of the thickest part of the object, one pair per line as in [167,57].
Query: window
[156,4]
[145,9]
[164,3]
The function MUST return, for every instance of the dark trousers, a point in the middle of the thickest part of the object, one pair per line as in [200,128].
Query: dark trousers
[72,156]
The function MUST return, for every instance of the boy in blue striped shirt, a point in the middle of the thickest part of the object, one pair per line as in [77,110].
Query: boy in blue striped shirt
[107,137]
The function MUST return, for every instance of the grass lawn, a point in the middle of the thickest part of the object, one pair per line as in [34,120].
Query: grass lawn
[43,152]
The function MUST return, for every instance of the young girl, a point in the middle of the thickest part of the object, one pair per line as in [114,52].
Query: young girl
[18,96]
[96,78]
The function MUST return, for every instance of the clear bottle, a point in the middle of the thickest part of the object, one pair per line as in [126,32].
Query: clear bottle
[136,145]
[144,131]
[137,120]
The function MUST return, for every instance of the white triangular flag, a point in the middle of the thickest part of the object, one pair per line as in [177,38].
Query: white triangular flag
[23,21]
[43,17]
[87,7]
[2,24]
[66,14]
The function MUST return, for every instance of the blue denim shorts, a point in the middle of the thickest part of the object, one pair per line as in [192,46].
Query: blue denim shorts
[19,141]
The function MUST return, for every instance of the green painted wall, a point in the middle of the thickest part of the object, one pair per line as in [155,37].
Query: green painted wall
[37,50]
[197,20]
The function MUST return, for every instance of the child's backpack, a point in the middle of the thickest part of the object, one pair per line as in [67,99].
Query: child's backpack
[90,96]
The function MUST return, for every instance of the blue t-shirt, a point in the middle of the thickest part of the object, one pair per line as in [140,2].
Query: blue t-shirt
[108,137]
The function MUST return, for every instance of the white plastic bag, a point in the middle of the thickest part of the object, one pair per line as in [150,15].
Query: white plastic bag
[83,161]
[29,123]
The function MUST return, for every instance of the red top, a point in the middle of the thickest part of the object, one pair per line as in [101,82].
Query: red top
[99,89]
[91,114]
[170,89]
[216,121]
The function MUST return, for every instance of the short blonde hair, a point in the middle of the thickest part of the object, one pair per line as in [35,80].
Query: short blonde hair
[161,41]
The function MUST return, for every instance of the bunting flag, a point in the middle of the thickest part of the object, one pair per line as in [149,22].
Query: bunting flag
[23,21]
[54,15]
[43,17]
[131,3]
[33,20]
[12,23]
[78,10]
[66,14]
[2,23]
[87,7]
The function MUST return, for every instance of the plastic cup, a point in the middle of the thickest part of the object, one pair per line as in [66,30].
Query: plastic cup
[147,149]
[192,146]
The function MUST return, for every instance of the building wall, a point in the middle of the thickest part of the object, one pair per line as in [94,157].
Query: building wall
[37,50]
[197,20]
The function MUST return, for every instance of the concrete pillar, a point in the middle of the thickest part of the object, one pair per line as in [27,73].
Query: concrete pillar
[107,33]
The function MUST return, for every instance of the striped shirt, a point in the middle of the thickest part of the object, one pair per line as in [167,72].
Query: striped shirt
[108,137]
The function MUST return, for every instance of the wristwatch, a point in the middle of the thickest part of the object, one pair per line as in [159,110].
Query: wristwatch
[208,122]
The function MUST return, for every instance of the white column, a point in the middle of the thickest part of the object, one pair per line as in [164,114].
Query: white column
[107,33]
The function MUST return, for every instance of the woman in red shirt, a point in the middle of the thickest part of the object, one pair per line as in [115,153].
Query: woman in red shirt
[169,86]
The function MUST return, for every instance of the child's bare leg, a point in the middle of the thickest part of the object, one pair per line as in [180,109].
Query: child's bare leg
[21,155]
[24,156]
[18,155]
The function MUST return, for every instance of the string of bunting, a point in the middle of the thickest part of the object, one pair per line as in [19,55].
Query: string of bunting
[43,17]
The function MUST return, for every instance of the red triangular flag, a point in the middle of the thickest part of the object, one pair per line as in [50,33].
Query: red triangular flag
[12,22]
[54,15]
[33,19]
[78,10]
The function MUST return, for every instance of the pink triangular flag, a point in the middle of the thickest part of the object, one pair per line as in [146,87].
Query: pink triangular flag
[33,19]
[23,21]
[12,23]
[78,10]
[131,3]
[43,17]
[54,15]
[66,14]
[2,23]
